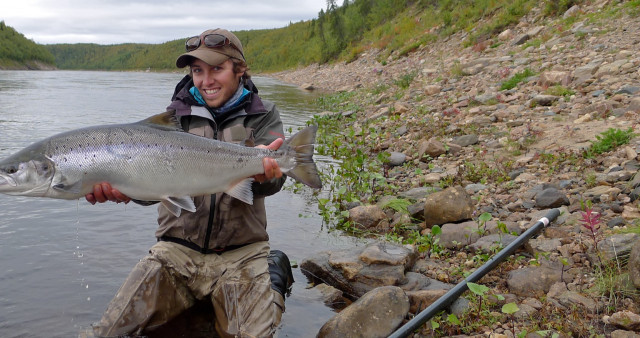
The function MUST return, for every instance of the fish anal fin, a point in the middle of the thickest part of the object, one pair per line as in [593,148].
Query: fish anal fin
[176,204]
[242,191]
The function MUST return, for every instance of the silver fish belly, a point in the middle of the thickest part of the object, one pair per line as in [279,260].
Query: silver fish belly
[152,160]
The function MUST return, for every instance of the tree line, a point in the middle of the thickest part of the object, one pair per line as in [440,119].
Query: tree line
[16,51]
[340,32]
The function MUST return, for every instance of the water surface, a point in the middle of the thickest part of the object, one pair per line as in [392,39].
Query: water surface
[61,262]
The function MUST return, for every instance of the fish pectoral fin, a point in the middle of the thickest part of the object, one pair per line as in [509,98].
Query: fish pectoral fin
[176,204]
[242,191]
[74,188]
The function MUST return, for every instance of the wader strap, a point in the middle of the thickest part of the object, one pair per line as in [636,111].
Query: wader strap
[196,247]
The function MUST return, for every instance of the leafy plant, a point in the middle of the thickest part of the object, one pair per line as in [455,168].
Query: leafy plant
[591,221]
[559,90]
[516,79]
[480,291]
[609,140]
[510,309]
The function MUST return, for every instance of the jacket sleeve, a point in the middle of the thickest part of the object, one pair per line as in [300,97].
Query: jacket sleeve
[268,128]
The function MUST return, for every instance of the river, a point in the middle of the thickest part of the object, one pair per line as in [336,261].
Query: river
[61,261]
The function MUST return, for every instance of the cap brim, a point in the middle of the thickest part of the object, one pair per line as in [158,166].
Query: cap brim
[207,55]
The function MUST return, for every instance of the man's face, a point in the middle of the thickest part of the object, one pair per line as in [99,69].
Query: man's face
[217,83]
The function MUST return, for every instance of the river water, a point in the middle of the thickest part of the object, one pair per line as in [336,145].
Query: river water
[61,261]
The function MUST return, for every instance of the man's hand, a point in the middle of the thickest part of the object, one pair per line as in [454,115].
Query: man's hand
[271,167]
[105,192]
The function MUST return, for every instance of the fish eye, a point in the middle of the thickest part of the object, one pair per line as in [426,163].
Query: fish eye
[11,169]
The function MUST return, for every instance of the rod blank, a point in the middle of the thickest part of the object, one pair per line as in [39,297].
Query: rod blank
[461,287]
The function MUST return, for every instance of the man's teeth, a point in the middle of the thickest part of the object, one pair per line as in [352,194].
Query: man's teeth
[211,91]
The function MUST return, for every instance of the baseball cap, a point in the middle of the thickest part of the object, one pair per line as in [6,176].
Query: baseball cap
[219,45]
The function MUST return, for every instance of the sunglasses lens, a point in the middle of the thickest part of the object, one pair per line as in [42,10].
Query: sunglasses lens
[214,40]
[192,43]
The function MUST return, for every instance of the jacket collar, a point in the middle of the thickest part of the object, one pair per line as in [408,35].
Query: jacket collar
[182,101]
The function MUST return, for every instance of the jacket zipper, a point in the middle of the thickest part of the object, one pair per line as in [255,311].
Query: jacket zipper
[212,207]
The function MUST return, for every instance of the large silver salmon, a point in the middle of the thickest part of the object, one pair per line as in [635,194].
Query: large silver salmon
[151,160]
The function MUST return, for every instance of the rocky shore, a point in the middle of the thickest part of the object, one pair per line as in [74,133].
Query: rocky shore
[581,79]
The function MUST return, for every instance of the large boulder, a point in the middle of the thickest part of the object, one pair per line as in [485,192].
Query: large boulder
[362,269]
[376,314]
[450,205]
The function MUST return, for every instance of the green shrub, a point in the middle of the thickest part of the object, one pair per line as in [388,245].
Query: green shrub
[517,78]
[609,140]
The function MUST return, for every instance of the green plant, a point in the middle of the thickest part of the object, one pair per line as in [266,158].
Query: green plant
[609,140]
[559,90]
[510,309]
[516,79]
[480,291]
[405,80]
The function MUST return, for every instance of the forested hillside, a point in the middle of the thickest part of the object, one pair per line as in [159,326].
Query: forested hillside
[343,32]
[18,52]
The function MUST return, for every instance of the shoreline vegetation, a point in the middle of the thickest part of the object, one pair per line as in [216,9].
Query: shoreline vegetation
[516,107]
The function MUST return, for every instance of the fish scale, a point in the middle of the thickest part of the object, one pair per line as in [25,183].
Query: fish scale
[152,160]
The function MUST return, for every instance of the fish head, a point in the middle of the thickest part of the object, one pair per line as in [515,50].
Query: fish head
[26,176]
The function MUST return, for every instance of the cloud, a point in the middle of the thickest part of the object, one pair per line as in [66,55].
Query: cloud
[147,21]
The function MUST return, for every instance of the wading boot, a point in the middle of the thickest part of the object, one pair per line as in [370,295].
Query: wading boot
[280,271]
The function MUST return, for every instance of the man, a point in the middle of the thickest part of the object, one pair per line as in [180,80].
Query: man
[219,252]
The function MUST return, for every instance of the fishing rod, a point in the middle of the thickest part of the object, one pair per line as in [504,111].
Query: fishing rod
[461,287]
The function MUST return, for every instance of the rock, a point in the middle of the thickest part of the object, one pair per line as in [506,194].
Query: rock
[552,78]
[626,320]
[487,244]
[421,299]
[432,89]
[378,313]
[450,205]
[617,246]
[465,140]
[520,39]
[574,10]
[624,334]
[367,216]
[331,296]
[634,105]
[533,280]
[538,245]
[551,198]
[359,270]
[634,264]
[307,86]
[396,159]
[385,253]
[431,147]
[571,299]
[545,100]
[505,35]
[419,192]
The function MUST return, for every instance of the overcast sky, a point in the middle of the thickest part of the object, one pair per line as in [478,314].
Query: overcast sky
[146,21]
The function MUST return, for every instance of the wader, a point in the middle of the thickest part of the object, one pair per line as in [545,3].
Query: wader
[173,277]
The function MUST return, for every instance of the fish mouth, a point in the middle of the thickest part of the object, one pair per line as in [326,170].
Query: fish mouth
[7,181]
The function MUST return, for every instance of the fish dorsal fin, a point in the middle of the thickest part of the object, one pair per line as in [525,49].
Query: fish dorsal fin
[242,191]
[176,204]
[167,120]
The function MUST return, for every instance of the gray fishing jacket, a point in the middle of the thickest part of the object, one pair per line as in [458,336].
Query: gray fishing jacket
[220,221]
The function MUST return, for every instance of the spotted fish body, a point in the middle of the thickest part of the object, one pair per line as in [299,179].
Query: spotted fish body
[151,160]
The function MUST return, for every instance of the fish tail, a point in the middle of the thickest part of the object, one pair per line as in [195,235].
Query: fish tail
[305,170]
